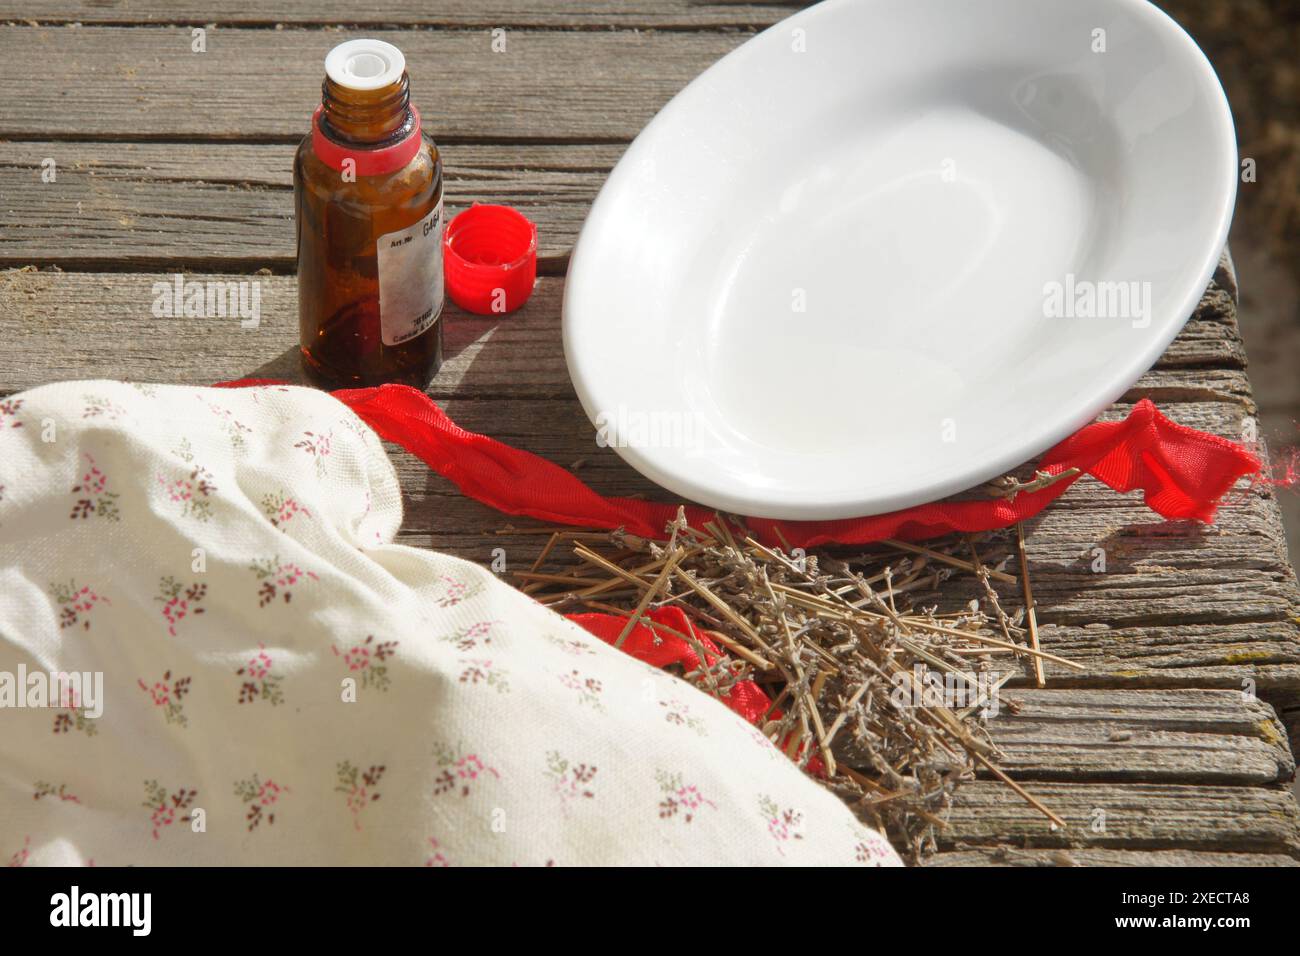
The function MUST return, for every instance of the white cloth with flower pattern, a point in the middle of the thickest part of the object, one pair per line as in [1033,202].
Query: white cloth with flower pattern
[284,684]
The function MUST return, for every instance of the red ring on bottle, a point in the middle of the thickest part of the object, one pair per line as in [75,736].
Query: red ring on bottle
[368,162]
[490,259]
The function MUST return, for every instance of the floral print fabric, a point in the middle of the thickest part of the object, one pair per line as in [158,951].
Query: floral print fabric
[282,683]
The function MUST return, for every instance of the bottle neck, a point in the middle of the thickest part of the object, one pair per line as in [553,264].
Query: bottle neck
[367,117]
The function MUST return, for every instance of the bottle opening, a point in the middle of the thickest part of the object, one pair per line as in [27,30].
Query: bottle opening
[365,64]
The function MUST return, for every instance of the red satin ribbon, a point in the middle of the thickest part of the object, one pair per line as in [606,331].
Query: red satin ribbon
[1182,473]
[662,647]
[659,645]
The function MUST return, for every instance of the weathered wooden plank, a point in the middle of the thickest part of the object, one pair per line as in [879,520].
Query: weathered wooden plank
[1155,572]
[1175,384]
[517,356]
[1014,856]
[567,14]
[176,206]
[1149,736]
[145,83]
[1189,736]
[1127,817]
[1264,655]
[179,206]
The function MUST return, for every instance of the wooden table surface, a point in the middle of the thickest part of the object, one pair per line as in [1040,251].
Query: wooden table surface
[1167,747]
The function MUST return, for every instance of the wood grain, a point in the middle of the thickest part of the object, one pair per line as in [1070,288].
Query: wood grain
[148,206]
[462,14]
[144,83]
[520,355]
[1117,736]
[1131,816]
[1151,735]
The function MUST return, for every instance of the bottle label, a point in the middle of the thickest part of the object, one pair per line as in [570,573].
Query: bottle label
[410,278]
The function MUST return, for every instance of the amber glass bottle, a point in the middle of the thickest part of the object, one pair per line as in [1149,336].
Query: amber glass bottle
[368,200]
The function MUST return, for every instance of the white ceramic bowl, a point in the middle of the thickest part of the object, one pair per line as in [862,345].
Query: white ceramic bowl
[845,270]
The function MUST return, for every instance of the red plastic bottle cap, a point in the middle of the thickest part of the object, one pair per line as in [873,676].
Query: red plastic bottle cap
[490,259]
